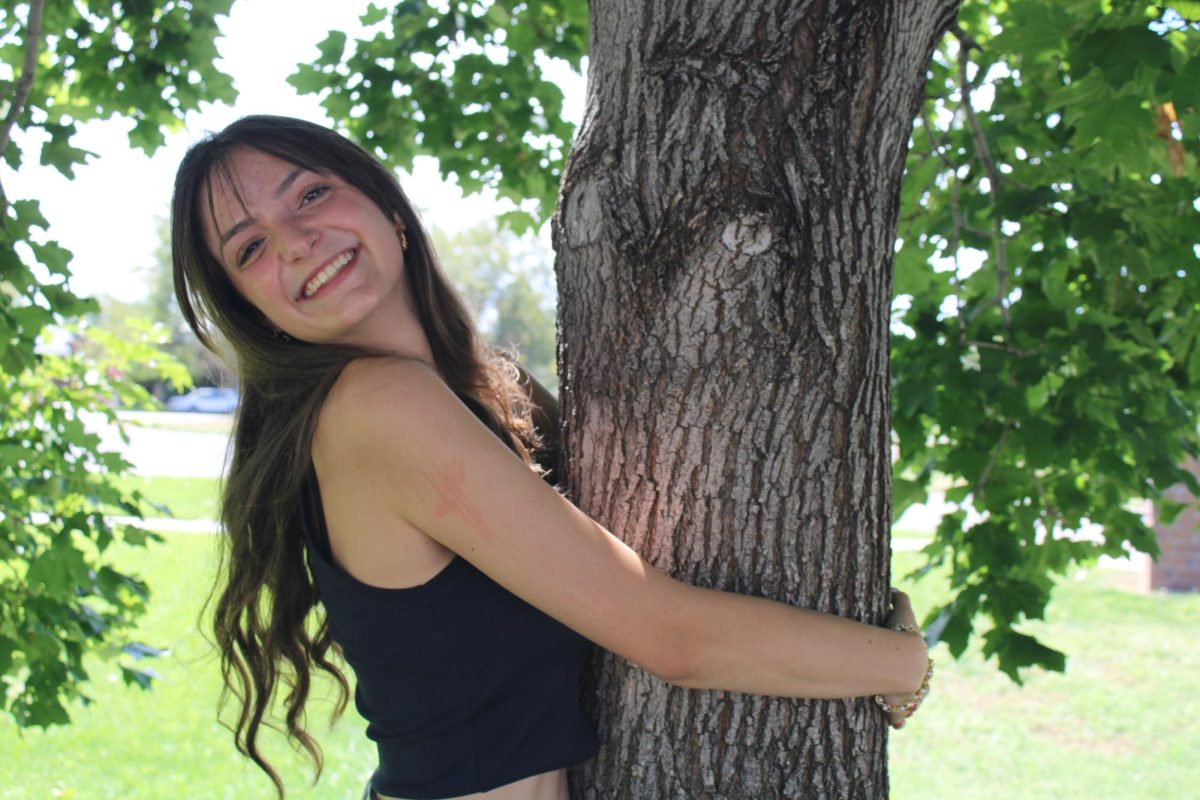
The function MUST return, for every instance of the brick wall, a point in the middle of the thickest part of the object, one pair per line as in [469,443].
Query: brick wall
[1178,566]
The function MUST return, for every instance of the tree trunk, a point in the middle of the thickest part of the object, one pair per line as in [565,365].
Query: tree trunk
[724,248]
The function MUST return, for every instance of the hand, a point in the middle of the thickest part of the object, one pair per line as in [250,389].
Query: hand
[902,618]
[902,612]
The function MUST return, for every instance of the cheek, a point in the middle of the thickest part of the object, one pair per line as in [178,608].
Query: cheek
[250,287]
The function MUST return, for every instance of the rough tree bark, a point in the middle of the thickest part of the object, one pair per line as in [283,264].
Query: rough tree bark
[724,246]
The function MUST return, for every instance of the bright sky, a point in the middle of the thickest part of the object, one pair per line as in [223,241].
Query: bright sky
[108,215]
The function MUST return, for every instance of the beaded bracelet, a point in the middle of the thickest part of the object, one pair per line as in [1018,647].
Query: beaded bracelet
[918,696]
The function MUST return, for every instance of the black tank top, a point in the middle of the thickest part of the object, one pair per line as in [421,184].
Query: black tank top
[465,687]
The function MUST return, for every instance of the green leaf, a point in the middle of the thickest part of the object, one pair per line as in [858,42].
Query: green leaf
[140,537]
[63,157]
[332,47]
[1016,651]
[912,271]
[1118,52]
[373,15]
[1033,30]
[138,677]
[7,650]
[1054,284]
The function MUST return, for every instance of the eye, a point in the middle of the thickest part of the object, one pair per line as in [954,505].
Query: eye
[312,194]
[247,252]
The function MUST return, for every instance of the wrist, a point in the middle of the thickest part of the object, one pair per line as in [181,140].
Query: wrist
[918,673]
[907,704]
[909,669]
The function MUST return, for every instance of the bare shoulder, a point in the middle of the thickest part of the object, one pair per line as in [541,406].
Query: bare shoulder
[376,399]
[397,420]
[401,442]
[377,384]
[366,451]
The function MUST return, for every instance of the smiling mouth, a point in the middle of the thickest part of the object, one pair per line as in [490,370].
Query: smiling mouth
[329,273]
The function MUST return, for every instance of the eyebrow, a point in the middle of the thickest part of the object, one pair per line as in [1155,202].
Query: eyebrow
[283,186]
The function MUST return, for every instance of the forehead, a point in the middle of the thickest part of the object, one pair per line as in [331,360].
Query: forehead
[244,178]
[240,185]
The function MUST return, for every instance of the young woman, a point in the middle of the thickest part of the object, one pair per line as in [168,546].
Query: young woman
[386,466]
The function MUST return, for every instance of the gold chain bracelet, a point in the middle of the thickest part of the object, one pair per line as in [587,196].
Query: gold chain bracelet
[920,694]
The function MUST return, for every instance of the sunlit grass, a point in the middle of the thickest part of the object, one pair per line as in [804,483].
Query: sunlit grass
[185,498]
[138,745]
[1122,722]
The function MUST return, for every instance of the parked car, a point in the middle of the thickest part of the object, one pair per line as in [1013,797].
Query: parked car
[206,399]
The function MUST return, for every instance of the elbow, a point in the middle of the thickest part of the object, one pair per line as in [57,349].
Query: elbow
[673,661]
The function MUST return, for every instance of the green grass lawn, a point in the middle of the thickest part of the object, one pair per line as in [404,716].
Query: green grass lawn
[1123,721]
[186,498]
[137,745]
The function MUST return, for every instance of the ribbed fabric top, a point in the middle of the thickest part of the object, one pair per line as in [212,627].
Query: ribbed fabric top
[465,687]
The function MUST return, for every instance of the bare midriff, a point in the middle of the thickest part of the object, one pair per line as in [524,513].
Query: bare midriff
[546,786]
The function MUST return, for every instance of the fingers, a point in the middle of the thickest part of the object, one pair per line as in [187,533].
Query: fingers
[902,616]
[900,600]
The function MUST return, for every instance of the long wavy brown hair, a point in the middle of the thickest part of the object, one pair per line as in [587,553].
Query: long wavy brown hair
[266,606]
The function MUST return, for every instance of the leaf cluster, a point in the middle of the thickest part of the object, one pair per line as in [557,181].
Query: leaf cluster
[464,81]
[61,598]
[1046,333]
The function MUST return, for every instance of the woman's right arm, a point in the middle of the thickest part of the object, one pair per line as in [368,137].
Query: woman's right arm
[451,478]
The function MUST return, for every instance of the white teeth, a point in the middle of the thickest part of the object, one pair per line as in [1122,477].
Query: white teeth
[324,276]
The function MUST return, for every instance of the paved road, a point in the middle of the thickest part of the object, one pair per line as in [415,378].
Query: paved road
[155,450]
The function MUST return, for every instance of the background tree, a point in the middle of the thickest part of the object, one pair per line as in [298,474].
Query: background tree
[61,599]
[508,281]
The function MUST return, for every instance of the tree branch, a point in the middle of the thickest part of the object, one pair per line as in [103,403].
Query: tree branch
[1050,512]
[33,40]
[981,484]
[959,223]
[966,44]
[1016,351]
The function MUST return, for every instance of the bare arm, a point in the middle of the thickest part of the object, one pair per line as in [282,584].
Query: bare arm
[452,479]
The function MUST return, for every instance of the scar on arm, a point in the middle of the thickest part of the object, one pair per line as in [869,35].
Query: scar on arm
[447,483]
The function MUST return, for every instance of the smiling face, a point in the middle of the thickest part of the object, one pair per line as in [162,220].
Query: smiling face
[313,253]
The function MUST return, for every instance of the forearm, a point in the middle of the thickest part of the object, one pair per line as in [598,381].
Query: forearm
[750,644]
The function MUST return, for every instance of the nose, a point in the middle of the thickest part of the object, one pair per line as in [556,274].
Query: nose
[296,239]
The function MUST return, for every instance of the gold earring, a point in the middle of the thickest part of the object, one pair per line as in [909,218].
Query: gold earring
[403,238]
